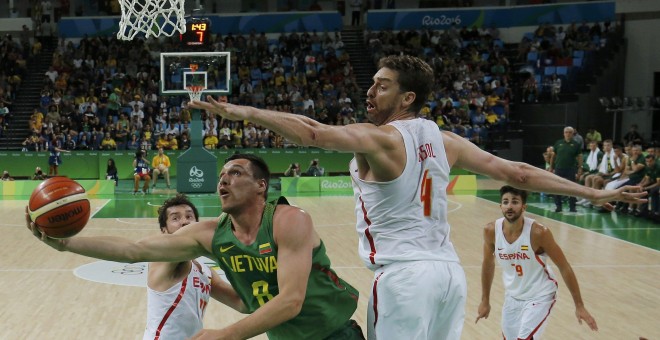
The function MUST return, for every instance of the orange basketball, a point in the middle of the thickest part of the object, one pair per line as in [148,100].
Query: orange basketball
[59,207]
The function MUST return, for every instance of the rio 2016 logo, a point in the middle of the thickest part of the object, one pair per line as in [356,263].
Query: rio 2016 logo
[428,20]
[336,184]
[196,182]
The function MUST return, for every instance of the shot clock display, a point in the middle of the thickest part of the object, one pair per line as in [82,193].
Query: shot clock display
[198,32]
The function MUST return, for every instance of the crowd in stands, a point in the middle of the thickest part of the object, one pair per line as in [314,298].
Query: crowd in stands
[553,56]
[101,93]
[14,54]
[472,83]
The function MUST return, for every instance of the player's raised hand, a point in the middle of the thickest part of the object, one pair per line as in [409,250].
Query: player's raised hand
[582,314]
[222,107]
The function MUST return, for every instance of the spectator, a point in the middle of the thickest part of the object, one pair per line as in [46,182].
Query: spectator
[314,169]
[108,143]
[594,135]
[6,176]
[172,143]
[141,166]
[225,142]
[632,136]
[293,170]
[32,143]
[4,117]
[210,141]
[161,166]
[134,143]
[530,89]
[555,87]
[111,171]
[70,143]
[184,143]
[356,12]
[39,175]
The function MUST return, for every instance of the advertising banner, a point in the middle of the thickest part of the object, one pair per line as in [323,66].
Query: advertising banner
[25,188]
[501,17]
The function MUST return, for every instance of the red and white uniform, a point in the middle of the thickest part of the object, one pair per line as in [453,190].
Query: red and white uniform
[529,283]
[419,286]
[177,313]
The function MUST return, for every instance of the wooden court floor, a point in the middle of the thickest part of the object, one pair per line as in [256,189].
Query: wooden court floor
[44,296]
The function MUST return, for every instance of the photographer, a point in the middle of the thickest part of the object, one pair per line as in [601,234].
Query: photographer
[314,169]
[293,170]
[38,174]
[6,176]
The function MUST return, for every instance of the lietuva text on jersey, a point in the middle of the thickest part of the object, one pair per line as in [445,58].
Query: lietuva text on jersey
[243,263]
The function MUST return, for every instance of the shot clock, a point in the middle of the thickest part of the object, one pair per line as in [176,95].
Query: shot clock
[198,32]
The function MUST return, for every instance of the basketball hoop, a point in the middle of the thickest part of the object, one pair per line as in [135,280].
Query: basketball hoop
[195,92]
[153,18]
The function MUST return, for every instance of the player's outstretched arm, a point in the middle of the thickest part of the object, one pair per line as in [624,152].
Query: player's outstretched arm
[547,242]
[158,248]
[295,236]
[487,271]
[466,155]
[360,138]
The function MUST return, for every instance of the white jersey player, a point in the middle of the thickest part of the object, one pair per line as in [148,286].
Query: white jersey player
[177,312]
[521,247]
[404,237]
[178,292]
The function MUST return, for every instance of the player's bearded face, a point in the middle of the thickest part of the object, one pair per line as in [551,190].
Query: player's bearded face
[512,207]
[383,97]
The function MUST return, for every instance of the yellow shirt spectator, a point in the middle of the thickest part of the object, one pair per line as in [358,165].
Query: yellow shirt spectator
[210,142]
[162,142]
[159,160]
[173,144]
[491,117]
[108,143]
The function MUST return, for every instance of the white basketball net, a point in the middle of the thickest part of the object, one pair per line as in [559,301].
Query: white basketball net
[151,17]
[195,92]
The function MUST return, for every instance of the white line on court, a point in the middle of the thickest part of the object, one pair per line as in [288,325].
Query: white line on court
[99,208]
[127,222]
[459,206]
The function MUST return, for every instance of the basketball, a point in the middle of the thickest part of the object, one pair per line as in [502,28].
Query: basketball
[59,207]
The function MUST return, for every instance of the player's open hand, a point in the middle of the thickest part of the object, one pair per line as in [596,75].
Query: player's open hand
[626,194]
[483,311]
[54,243]
[582,314]
[222,107]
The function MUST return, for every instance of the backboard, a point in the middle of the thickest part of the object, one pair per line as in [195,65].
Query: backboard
[179,70]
